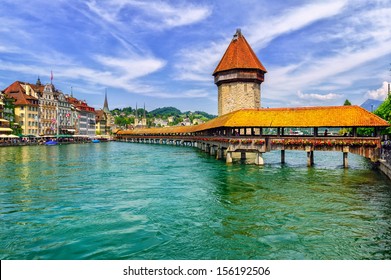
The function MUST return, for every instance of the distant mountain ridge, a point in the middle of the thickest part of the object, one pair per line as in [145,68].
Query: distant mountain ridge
[371,104]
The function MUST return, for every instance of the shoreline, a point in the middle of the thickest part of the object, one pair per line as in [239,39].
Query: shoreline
[19,144]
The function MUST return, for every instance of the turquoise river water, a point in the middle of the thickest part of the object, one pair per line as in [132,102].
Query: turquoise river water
[143,201]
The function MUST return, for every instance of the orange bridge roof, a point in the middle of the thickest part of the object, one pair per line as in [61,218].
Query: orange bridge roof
[325,116]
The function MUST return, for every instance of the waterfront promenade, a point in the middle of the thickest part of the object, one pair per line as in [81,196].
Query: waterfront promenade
[32,141]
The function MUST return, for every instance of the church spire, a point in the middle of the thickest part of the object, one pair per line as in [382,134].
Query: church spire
[136,118]
[105,104]
[38,83]
[144,118]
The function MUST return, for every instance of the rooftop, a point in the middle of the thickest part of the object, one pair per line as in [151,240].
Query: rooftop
[239,55]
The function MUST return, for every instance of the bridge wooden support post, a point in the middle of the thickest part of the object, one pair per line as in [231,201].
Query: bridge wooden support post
[310,156]
[259,159]
[229,157]
[345,160]
[282,156]
[207,148]
[219,153]
[242,155]
[345,156]
[309,159]
[212,151]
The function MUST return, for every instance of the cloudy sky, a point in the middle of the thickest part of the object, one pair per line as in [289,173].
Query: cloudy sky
[163,53]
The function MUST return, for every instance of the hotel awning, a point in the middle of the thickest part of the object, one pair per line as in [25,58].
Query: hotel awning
[5,129]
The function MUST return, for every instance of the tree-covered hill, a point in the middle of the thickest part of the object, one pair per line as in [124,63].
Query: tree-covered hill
[125,116]
[166,111]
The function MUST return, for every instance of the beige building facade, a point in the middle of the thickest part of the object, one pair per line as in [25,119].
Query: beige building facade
[26,106]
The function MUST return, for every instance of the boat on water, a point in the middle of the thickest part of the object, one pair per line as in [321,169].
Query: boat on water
[95,140]
[51,143]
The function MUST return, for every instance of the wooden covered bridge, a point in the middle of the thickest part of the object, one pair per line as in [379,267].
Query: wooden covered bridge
[262,130]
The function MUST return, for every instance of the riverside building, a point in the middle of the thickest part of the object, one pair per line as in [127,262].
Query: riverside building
[43,110]
[84,117]
[26,105]
[104,120]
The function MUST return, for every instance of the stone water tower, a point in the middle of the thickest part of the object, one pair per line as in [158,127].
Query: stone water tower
[238,77]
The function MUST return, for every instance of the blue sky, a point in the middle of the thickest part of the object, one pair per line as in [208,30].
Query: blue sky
[163,53]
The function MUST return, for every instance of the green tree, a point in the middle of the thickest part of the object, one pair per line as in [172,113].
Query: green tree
[347,102]
[384,111]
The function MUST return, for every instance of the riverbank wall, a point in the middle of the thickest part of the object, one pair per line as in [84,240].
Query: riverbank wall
[385,159]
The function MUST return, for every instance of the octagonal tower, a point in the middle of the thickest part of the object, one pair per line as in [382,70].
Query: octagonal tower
[238,77]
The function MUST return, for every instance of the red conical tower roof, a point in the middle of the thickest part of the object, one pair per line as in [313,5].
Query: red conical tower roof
[239,55]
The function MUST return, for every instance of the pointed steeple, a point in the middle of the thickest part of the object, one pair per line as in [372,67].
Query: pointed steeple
[38,83]
[144,118]
[105,104]
[136,118]
[239,55]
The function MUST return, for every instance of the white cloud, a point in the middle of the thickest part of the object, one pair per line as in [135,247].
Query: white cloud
[359,46]
[202,59]
[154,14]
[322,97]
[195,93]
[293,19]
[380,93]
[327,69]
[173,16]
[131,68]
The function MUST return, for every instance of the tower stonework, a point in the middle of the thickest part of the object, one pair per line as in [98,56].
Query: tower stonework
[238,77]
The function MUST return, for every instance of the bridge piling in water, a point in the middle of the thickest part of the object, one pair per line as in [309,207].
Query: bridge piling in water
[259,159]
[228,157]
[282,156]
[345,160]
